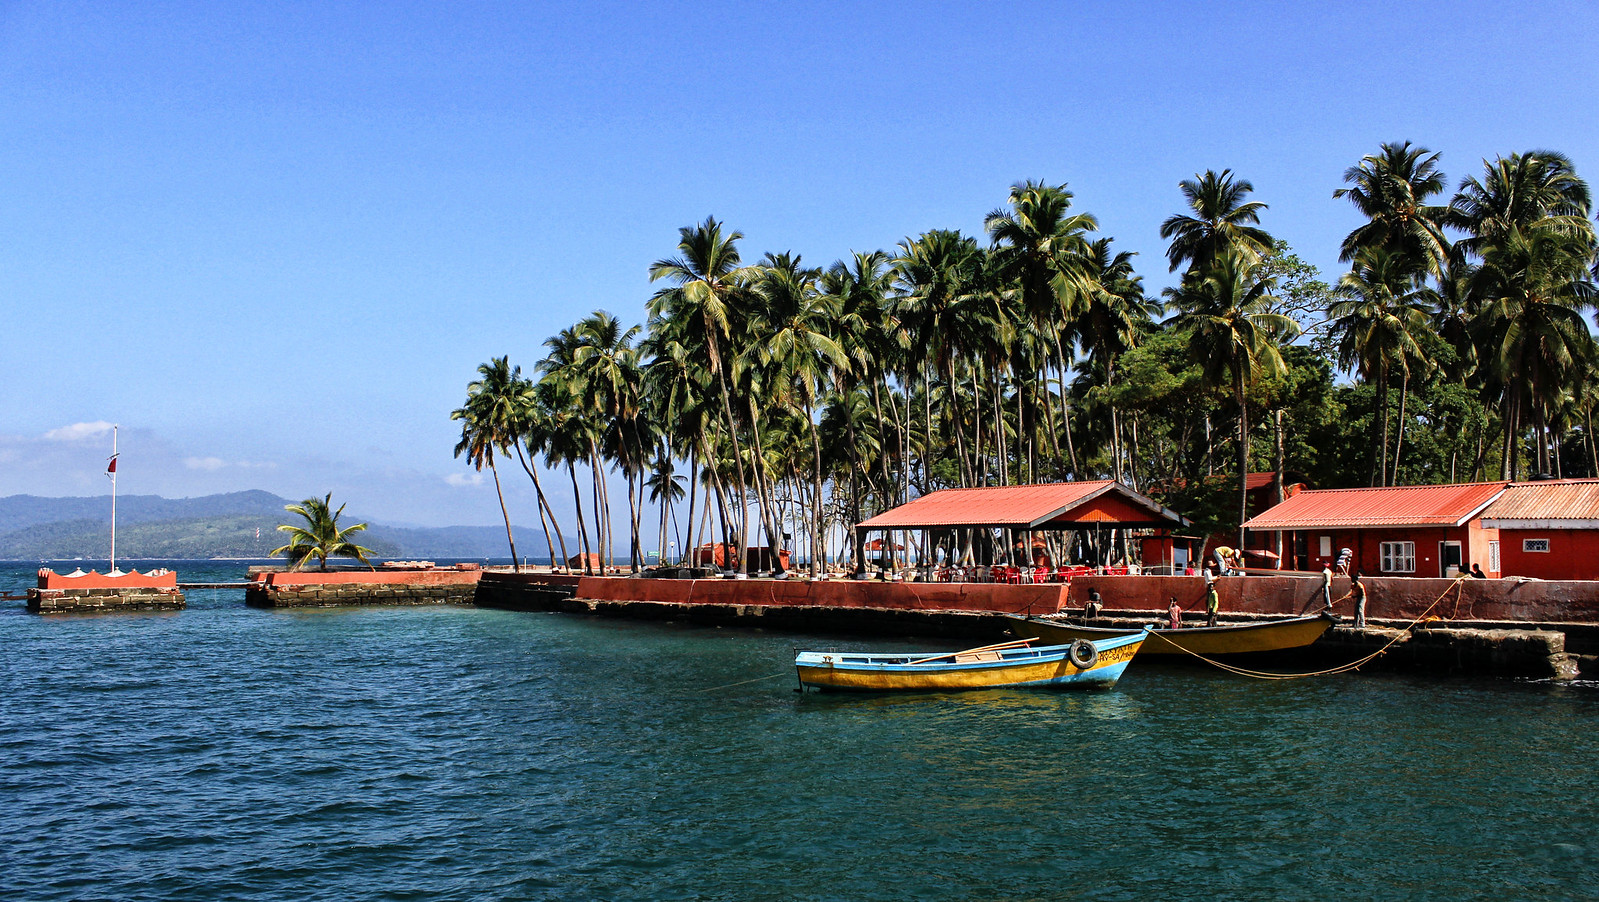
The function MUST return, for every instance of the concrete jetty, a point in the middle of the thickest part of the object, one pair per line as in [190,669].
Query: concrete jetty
[1421,625]
[79,592]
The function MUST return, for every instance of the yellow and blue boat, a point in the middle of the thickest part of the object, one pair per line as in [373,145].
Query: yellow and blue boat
[1083,664]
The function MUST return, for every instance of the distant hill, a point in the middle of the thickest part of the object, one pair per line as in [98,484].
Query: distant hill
[149,526]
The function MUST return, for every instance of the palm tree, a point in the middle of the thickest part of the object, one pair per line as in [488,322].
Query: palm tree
[321,536]
[1376,324]
[1222,220]
[709,284]
[1042,248]
[488,423]
[1390,189]
[1113,313]
[796,322]
[1233,338]
[1517,192]
[1534,288]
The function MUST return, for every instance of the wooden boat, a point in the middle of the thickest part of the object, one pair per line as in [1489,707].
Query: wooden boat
[1095,663]
[1210,641]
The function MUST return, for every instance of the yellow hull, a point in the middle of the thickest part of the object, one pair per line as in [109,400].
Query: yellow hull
[1056,672]
[1208,641]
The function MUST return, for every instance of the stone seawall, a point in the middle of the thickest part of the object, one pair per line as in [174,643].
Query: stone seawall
[63,601]
[290,590]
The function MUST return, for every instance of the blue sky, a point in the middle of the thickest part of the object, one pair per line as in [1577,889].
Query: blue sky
[274,240]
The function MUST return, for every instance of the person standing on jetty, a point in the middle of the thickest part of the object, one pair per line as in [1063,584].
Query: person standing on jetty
[1357,593]
[1212,603]
[1326,586]
[1174,615]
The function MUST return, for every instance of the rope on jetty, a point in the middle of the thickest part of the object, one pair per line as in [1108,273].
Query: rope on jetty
[1342,668]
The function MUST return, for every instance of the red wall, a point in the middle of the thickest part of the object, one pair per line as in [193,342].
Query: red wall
[368,577]
[828,593]
[1367,545]
[1572,554]
[49,579]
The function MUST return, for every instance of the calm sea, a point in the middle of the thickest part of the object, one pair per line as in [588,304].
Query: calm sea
[454,753]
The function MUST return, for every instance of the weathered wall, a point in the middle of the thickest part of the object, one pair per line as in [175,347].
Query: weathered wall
[61,601]
[828,593]
[1497,600]
[133,579]
[283,589]
[1573,553]
[284,578]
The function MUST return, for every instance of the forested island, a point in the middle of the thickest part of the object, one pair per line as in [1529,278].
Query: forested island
[1456,347]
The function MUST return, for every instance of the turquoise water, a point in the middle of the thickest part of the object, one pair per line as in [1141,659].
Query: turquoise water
[455,753]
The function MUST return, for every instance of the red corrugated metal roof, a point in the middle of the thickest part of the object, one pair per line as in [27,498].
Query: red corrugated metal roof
[1557,499]
[1411,505]
[1257,480]
[1013,506]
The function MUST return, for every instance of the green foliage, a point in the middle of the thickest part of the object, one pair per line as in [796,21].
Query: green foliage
[320,536]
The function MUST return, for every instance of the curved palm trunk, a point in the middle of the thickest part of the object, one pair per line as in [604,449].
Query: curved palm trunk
[544,507]
[516,562]
[582,527]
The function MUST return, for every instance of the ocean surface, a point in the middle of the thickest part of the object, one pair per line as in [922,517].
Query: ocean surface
[456,753]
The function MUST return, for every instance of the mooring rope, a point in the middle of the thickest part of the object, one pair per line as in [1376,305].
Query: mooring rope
[1342,668]
[743,682]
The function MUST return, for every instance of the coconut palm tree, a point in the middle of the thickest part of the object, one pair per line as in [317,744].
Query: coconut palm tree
[1534,288]
[1222,220]
[488,423]
[320,537]
[1232,337]
[1516,192]
[1377,326]
[1042,248]
[796,322]
[709,284]
[1112,314]
[1390,188]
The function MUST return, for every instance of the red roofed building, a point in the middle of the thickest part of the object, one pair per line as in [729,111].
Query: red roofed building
[1547,529]
[1424,530]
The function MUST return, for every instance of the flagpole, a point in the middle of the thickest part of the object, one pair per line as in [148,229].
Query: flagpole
[114,498]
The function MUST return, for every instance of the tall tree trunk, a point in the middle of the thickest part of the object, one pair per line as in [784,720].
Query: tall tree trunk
[516,562]
[1379,476]
[817,549]
[1243,456]
[1065,404]
[741,537]
[1399,431]
[544,506]
[582,528]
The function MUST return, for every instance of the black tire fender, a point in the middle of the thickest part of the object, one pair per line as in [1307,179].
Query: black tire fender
[1083,654]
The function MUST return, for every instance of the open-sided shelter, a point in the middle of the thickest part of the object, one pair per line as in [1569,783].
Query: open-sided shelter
[1062,506]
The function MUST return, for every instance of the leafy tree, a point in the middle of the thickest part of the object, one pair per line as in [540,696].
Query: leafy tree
[1222,220]
[488,424]
[320,536]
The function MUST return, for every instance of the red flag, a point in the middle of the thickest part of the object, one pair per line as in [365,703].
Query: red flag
[113,467]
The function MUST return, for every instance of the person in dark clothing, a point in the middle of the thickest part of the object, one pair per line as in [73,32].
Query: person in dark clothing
[1357,594]
[1476,572]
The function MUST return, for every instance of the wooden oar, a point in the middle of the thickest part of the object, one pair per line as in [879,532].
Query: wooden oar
[1011,644]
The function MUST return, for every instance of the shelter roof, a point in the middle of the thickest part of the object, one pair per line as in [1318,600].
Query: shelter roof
[1060,505]
[1556,503]
[1406,505]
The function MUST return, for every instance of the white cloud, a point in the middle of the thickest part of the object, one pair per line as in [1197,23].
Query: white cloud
[77,432]
[460,480]
[204,463]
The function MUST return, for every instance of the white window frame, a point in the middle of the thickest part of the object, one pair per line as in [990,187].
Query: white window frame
[1530,546]
[1493,557]
[1324,544]
[1398,557]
